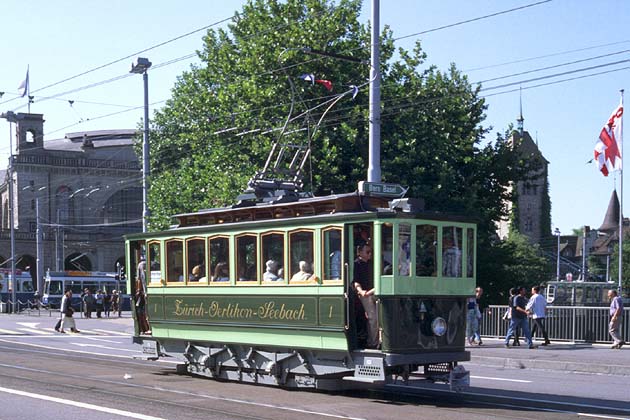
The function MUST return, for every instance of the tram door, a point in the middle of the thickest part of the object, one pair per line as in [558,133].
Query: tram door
[137,285]
[358,236]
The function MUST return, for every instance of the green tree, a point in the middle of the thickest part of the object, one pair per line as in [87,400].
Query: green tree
[511,263]
[614,264]
[219,125]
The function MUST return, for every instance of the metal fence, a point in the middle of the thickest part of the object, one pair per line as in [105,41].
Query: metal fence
[563,323]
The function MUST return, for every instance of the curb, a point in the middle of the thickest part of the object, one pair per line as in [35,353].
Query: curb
[565,366]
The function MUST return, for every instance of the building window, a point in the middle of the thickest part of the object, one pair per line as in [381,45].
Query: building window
[64,204]
[528,224]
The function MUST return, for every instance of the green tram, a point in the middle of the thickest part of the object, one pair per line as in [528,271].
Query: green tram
[226,292]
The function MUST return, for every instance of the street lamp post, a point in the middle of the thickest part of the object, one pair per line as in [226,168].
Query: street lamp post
[140,66]
[557,233]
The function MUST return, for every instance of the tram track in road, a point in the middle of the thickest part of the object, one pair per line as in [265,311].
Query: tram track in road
[31,375]
[212,399]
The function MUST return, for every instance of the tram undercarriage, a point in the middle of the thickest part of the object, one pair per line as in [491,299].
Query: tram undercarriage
[304,368]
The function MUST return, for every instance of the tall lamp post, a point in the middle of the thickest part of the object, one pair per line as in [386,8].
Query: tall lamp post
[140,66]
[557,233]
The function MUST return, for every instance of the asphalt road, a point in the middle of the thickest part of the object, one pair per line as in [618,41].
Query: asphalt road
[92,375]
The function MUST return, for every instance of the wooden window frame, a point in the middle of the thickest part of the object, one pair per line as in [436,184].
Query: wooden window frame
[147,274]
[262,263]
[188,270]
[325,281]
[256,258]
[316,279]
[166,265]
[211,282]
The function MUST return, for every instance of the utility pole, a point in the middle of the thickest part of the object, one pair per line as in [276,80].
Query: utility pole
[374,167]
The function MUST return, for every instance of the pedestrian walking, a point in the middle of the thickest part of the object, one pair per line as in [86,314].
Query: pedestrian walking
[537,306]
[473,318]
[616,316]
[519,318]
[67,320]
[508,316]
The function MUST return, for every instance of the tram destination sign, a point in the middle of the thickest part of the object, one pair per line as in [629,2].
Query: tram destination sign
[273,310]
[381,189]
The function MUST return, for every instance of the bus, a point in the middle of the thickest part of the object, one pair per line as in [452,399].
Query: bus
[578,293]
[57,282]
[24,291]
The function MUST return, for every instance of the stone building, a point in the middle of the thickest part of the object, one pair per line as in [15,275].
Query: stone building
[531,209]
[87,188]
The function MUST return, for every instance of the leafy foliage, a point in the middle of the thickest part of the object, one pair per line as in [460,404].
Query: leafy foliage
[625,267]
[219,125]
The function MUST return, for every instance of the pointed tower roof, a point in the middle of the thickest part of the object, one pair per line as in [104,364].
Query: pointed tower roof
[520,118]
[611,220]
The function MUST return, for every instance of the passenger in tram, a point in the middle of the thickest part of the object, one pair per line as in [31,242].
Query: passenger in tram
[271,272]
[196,273]
[451,259]
[364,287]
[305,273]
[221,272]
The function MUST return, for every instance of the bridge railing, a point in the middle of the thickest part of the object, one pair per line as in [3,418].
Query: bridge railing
[564,323]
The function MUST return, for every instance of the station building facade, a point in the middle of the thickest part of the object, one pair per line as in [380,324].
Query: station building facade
[87,190]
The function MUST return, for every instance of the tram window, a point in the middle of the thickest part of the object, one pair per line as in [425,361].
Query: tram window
[246,257]
[332,256]
[404,249]
[451,251]
[75,286]
[196,265]
[55,288]
[301,257]
[272,257]
[174,261]
[426,250]
[92,287]
[470,252]
[155,277]
[387,241]
[219,257]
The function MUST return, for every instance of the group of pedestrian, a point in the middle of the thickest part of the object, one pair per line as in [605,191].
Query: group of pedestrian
[101,302]
[520,308]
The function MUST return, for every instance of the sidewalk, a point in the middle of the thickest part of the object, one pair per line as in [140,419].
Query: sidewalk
[562,356]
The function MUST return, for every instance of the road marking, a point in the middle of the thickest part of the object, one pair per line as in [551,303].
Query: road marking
[34,331]
[502,379]
[93,407]
[28,324]
[103,340]
[11,332]
[104,347]
[601,416]
[112,332]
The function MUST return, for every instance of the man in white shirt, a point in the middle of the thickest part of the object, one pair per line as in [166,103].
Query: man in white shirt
[537,307]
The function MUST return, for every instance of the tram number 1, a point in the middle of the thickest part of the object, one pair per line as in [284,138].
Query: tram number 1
[330,312]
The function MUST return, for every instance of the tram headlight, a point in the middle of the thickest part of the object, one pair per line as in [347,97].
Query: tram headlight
[439,326]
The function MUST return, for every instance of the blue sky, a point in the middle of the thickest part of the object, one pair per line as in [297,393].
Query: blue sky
[68,37]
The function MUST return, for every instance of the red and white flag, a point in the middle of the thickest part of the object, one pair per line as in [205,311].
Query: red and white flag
[608,148]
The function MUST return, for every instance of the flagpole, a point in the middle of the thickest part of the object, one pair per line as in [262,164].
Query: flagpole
[621,205]
[28,88]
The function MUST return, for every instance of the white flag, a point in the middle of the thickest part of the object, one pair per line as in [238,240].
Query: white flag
[23,88]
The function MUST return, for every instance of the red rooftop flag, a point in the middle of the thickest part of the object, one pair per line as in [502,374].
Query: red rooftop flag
[608,148]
